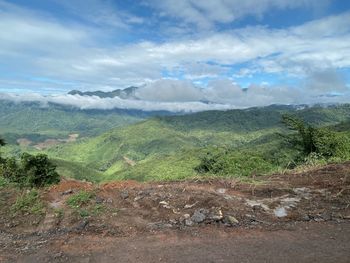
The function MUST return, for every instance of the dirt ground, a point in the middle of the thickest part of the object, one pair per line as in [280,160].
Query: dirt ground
[293,217]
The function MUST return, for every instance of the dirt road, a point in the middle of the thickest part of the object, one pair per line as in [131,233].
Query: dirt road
[304,242]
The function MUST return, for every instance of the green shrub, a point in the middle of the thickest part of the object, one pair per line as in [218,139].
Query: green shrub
[31,171]
[232,163]
[38,170]
[10,170]
[331,144]
[3,182]
[28,202]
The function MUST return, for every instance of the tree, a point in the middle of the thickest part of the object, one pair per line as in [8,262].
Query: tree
[323,141]
[38,170]
[305,133]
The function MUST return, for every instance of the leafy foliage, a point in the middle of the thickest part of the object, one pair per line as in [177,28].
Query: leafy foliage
[233,163]
[323,141]
[32,171]
[39,170]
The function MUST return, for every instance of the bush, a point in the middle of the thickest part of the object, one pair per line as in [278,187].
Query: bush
[331,144]
[231,163]
[39,170]
[31,171]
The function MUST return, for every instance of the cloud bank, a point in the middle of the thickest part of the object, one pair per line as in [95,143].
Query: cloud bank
[184,96]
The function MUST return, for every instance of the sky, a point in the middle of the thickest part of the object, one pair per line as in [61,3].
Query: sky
[185,55]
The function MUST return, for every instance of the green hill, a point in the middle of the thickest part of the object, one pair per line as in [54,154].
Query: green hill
[37,123]
[254,119]
[170,147]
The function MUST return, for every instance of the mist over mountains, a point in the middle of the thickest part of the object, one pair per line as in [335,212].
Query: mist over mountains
[180,96]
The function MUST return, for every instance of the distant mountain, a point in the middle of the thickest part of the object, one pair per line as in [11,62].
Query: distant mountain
[128,93]
[58,120]
[257,118]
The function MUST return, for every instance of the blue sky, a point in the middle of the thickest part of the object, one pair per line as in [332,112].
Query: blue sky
[179,51]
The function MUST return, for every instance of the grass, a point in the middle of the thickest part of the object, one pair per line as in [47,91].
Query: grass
[28,203]
[79,199]
[76,170]
[3,182]
[83,206]
[59,213]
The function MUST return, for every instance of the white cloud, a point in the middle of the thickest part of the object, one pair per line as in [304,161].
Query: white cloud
[182,96]
[170,91]
[205,14]
[326,81]
[93,102]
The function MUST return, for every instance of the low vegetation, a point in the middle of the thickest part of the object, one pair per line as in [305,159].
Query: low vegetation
[80,199]
[83,204]
[28,203]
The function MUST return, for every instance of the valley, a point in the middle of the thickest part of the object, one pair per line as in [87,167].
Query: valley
[160,147]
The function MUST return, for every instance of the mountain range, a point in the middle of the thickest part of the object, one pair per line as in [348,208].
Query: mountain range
[127,93]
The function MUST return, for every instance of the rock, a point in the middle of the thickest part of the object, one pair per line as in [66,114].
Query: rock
[137,198]
[190,206]
[306,218]
[318,219]
[215,214]
[82,225]
[199,215]
[124,194]
[165,204]
[256,205]
[280,212]
[326,216]
[183,217]
[99,200]
[109,200]
[221,190]
[68,192]
[231,220]
[173,221]
[189,222]
[303,192]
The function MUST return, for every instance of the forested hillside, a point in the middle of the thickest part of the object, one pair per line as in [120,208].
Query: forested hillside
[171,147]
